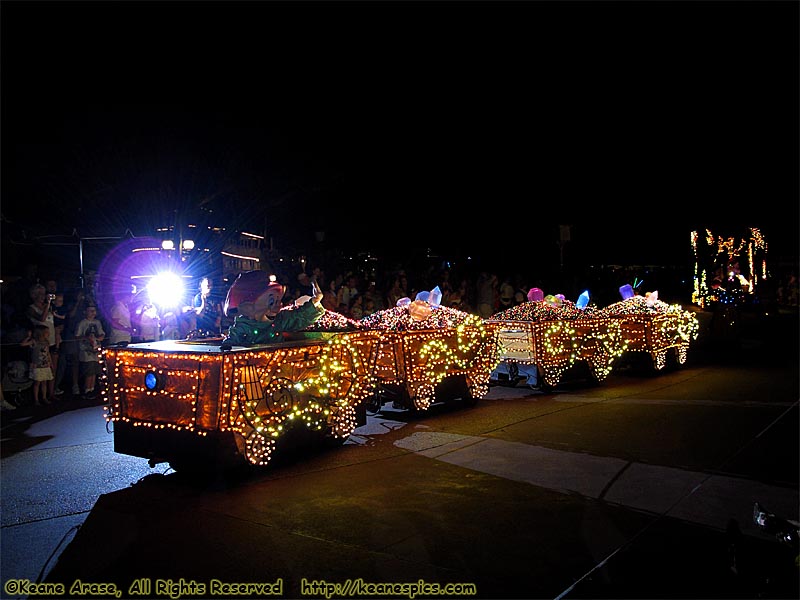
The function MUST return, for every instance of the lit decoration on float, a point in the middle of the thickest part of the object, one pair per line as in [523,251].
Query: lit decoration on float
[419,310]
[553,334]
[417,345]
[626,291]
[583,300]
[655,327]
[535,295]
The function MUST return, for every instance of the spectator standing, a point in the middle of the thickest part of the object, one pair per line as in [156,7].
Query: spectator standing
[90,335]
[119,321]
[348,291]
[41,366]
[149,323]
[464,292]
[40,312]
[506,293]
[68,350]
[207,309]
[329,300]
[486,294]
[395,293]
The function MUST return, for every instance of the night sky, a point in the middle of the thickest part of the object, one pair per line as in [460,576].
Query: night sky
[474,128]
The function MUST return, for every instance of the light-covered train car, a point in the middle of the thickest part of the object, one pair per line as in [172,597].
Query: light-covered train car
[197,405]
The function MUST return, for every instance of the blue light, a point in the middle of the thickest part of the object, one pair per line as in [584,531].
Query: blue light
[583,300]
[626,291]
[151,380]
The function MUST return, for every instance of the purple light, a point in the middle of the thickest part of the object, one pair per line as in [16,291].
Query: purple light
[535,295]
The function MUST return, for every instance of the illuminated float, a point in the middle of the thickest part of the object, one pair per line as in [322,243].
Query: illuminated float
[423,353]
[653,327]
[193,404]
[541,339]
[232,401]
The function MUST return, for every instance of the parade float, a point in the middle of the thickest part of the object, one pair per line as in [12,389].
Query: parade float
[422,353]
[542,339]
[196,403]
[653,327]
[228,401]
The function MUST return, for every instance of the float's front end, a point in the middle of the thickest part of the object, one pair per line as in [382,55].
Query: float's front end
[198,405]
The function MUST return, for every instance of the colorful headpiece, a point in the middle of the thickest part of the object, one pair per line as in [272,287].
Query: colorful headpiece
[248,287]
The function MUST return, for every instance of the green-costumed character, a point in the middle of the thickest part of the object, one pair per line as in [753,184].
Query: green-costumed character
[260,319]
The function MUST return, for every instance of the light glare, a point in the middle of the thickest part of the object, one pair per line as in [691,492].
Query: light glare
[165,289]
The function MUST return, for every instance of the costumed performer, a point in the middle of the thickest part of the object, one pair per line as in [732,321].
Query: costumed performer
[259,316]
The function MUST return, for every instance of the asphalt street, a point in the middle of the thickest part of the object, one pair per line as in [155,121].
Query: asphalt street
[641,486]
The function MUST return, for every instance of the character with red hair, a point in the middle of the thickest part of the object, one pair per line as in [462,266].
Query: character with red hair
[260,316]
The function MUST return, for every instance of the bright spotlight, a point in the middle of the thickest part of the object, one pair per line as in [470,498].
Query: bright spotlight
[188,244]
[167,245]
[166,289]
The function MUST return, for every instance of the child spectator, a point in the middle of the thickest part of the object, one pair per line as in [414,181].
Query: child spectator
[90,335]
[41,365]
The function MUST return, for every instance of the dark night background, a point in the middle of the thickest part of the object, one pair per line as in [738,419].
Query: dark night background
[466,127]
